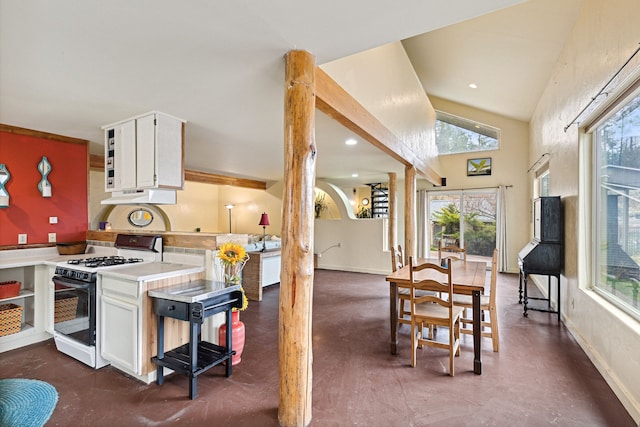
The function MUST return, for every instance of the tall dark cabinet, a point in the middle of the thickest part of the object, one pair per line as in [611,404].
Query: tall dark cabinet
[544,254]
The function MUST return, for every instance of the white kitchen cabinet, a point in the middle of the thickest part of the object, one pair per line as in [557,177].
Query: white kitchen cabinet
[271,270]
[120,156]
[120,321]
[144,152]
[128,324]
[120,339]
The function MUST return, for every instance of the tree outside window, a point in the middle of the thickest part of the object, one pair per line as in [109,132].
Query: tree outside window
[617,175]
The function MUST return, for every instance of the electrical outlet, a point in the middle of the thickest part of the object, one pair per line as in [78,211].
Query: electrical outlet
[53,220]
[52,237]
[22,239]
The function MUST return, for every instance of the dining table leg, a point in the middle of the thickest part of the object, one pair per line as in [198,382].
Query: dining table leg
[393,316]
[477,333]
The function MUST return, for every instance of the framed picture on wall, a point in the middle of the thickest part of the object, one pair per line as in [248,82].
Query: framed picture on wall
[478,167]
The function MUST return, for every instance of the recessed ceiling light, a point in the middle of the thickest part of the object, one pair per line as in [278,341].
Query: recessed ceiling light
[473,86]
[354,175]
[351,141]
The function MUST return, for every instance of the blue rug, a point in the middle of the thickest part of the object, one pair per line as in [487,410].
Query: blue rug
[26,403]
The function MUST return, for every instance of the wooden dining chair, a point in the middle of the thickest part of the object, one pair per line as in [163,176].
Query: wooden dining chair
[448,251]
[404,314]
[397,258]
[487,304]
[397,262]
[433,310]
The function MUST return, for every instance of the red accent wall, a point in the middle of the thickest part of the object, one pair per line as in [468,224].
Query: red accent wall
[28,211]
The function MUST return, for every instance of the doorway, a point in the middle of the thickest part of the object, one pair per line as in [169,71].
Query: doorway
[472,211]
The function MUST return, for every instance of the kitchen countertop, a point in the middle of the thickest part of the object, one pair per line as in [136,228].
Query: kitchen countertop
[151,271]
[195,291]
[48,256]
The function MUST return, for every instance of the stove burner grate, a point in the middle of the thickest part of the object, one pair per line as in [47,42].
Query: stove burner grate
[104,261]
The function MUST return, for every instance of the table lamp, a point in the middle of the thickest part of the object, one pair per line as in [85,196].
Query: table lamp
[264,221]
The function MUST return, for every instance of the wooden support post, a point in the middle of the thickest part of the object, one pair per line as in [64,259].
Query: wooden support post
[296,285]
[393,211]
[409,212]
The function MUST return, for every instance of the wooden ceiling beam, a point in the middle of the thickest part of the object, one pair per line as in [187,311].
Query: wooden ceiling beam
[97,162]
[334,101]
[42,135]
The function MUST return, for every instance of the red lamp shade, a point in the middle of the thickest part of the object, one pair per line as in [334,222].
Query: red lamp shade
[264,220]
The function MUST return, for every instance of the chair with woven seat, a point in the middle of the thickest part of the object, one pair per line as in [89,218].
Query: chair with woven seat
[487,304]
[433,309]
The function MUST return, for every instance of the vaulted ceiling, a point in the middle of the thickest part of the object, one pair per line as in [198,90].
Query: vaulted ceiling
[69,67]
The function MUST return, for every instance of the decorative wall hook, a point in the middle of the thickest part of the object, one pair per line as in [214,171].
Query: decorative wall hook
[44,185]
[4,194]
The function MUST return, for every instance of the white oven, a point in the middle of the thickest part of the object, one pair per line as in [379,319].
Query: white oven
[75,295]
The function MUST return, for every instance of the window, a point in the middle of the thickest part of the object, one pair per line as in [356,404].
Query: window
[543,184]
[617,202]
[472,211]
[458,135]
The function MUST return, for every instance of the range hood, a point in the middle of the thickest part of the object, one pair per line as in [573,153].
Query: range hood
[137,197]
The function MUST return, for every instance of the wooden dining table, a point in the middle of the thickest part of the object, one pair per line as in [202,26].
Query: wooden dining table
[468,278]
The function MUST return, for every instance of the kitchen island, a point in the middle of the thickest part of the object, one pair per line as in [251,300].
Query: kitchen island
[262,269]
[129,335]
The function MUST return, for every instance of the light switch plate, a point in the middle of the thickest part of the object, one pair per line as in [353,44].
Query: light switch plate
[53,220]
[22,239]
[52,237]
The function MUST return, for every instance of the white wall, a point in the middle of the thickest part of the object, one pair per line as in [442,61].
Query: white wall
[249,204]
[197,206]
[201,206]
[509,167]
[384,82]
[362,242]
[605,35]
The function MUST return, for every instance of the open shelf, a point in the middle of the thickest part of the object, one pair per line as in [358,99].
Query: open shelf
[209,355]
[22,294]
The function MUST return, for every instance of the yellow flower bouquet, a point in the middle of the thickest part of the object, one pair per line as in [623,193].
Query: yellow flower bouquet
[233,257]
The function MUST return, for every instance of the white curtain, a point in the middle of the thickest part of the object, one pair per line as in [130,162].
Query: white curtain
[421,219]
[501,232]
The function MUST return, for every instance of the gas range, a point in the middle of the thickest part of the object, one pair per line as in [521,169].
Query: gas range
[104,261]
[131,248]
[76,296]
[84,269]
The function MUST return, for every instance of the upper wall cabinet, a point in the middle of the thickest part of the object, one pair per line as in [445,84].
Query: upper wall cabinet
[144,152]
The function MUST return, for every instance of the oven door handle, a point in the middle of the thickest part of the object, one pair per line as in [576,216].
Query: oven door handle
[70,283]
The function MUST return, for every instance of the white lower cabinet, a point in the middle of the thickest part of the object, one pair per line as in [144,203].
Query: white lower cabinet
[119,340]
[120,323]
[271,270]
[128,324]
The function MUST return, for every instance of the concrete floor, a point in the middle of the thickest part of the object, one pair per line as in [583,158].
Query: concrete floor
[539,377]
